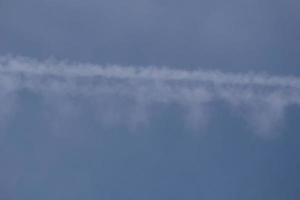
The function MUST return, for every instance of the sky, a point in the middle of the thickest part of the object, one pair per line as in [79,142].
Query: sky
[149,99]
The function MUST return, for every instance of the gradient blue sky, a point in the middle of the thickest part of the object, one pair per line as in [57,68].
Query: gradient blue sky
[81,157]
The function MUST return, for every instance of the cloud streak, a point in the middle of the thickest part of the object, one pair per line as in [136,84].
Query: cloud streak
[262,98]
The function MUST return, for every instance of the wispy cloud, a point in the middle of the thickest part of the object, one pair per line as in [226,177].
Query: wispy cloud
[262,97]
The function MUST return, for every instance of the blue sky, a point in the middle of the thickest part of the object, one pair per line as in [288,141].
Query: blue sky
[195,100]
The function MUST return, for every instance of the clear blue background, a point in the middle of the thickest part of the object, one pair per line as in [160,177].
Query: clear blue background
[82,159]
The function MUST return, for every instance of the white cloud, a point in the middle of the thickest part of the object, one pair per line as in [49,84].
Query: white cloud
[124,94]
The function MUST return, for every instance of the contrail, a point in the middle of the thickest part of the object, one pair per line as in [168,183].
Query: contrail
[264,95]
[64,69]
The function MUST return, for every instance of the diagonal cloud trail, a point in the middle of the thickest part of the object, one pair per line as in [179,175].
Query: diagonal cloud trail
[33,67]
[264,96]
